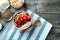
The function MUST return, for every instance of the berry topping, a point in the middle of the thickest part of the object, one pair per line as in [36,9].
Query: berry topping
[21,19]
[18,22]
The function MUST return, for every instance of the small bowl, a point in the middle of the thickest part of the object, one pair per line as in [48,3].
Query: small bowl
[3,13]
[9,19]
[14,16]
[1,26]
[6,6]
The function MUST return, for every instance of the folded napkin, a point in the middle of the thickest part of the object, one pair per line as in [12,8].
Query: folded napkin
[10,32]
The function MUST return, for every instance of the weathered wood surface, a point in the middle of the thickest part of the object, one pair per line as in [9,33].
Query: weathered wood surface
[44,6]
[52,18]
[50,10]
[55,20]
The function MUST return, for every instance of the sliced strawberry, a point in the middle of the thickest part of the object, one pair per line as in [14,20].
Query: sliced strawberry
[28,17]
[24,17]
[18,22]
[21,19]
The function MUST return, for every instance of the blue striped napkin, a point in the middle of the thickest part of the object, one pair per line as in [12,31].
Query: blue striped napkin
[10,32]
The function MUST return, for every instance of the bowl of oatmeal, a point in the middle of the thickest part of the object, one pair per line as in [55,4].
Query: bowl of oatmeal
[22,20]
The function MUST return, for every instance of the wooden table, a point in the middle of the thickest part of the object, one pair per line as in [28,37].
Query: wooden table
[50,10]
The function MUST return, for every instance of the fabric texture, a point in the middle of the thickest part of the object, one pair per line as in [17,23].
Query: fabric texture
[10,32]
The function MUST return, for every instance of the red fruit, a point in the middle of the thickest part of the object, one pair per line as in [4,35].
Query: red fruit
[21,19]
[24,17]
[18,22]
[28,17]
[18,18]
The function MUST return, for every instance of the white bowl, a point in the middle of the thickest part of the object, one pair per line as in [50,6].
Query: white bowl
[14,22]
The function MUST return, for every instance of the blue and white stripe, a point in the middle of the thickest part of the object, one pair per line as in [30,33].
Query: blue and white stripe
[10,32]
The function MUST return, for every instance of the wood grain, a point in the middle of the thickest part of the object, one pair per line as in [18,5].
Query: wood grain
[54,34]
[44,6]
[55,20]
[50,10]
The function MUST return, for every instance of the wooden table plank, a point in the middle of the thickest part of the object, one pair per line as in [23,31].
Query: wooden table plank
[50,10]
[53,18]
[54,34]
[43,6]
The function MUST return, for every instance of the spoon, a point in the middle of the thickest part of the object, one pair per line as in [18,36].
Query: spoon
[36,23]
